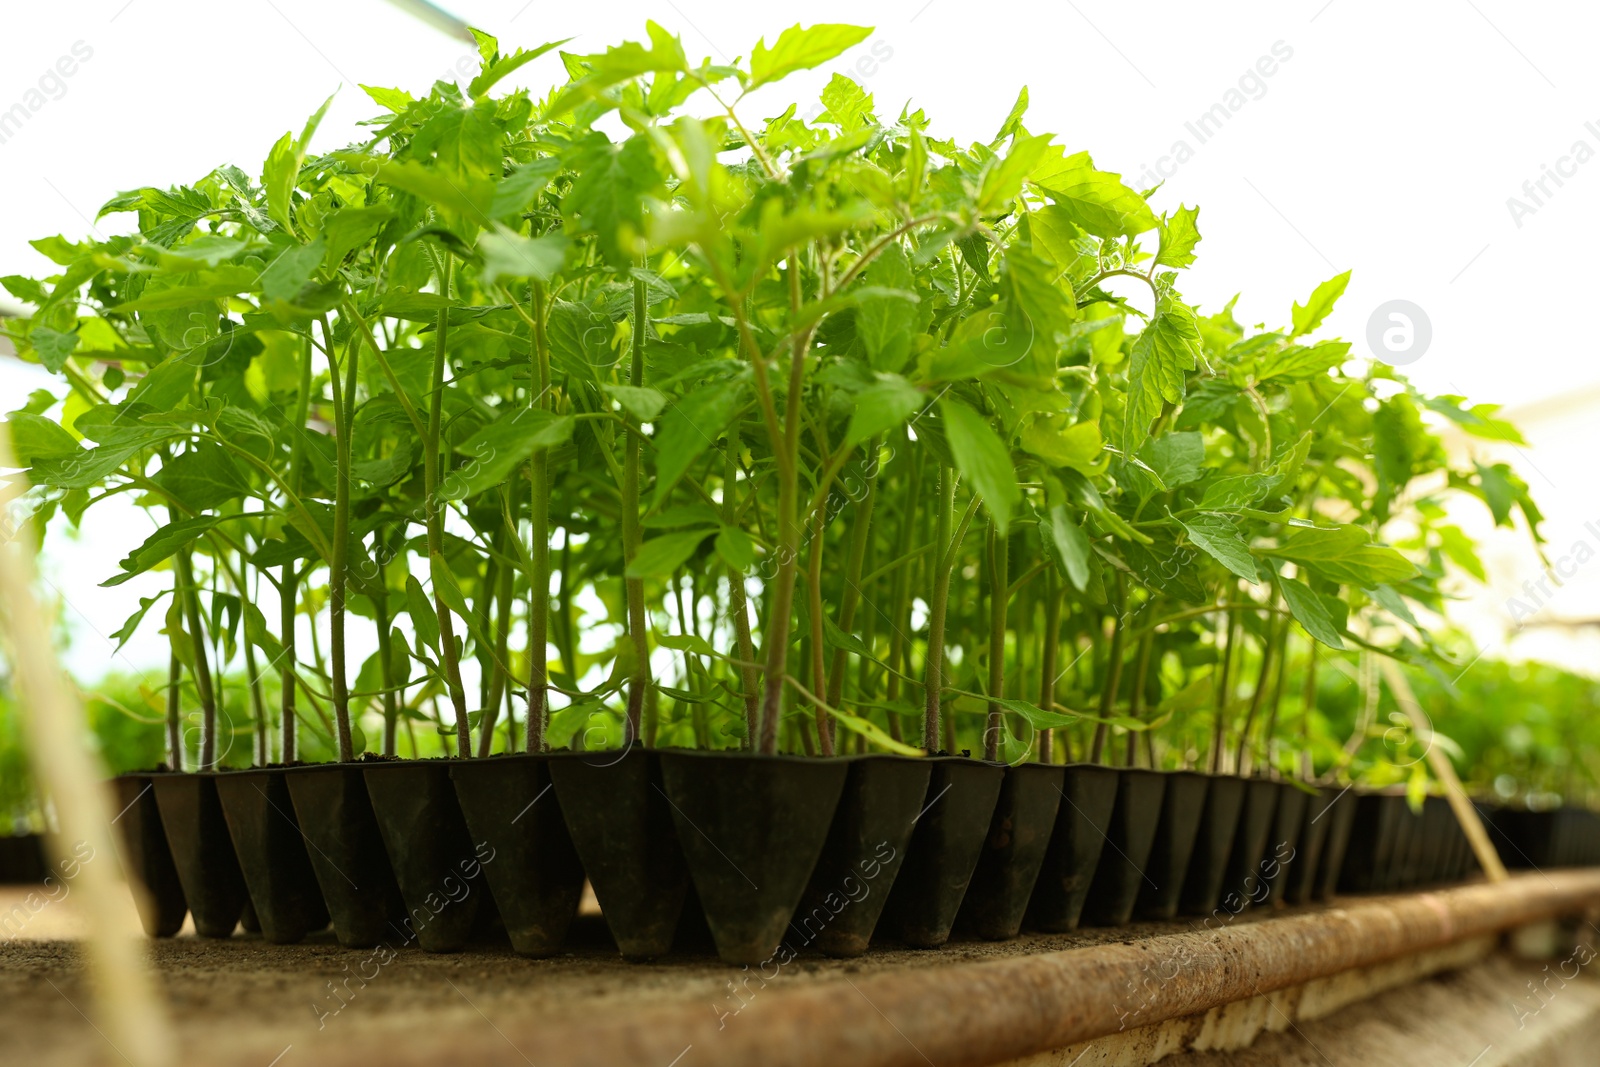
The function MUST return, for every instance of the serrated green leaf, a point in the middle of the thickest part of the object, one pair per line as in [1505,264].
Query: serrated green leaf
[834,637]
[607,197]
[467,199]
[1179,234]
[660,557]
[1220,540]
[801,48]
[498,448]
[203,478]
[1235,492]
[1072,548]
[686,643]
[52,346]
[1298,363]
[496,67]
[130,625]
[424,619]
[35,438]
[881,407]
[848,105]
[1037,717]
[1310,612]
[507,254]
[1097,200]
[1164,353]
[642,402]
[736,548]
[873,733]
[517,191]
[1176,458]
[1318,306]
[160,547]
[1078,446]
[885,323]
[447,589]
[982,458]
[1003,178]
[395,100]
[1346,555]
[690,426]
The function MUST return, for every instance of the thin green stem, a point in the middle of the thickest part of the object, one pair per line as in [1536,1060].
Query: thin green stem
[539,537]
[338,566]
[639,676]
[1113,672]
[999,598]
[1048,648]
[432,444]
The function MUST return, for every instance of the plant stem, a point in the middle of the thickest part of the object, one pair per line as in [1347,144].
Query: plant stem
[1370,696]
[483,605]
[435,514]
[1053,596]
[1243,748]
[999,590]
[1136,697]
[1281,658]
[900,593]
[201,666]
[339,564]
[850,595]
[288,595]
[1230,628]
[289,586]
[945,566]
[175,713]
[1113,675]
[738,609]
[814,609]
[786,449]
[933,666]
[258,707]
[498,681]
[391,702]
[539,538]
[639,676]
[569,644]
[1309,706]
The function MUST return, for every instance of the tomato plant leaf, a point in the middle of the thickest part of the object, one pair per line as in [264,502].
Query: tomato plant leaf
[689,427]
[801,48]
[736,548]
[882,406]
[983,458]
[1097,200]
[642,402]
[1165,351]
[1179,235]
[498,448]
[1071,545]
[160,547]
[1310,612]
[1220,539]
[1317,307]
[661,556]
[507,254]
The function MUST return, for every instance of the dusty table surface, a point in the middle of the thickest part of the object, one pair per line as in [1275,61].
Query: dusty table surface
[246,1001]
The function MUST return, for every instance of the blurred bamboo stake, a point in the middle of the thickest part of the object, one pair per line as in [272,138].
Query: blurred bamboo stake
[1445,771]
[134,1021]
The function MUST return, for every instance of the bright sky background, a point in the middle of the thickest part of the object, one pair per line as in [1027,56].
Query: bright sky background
[1388,141]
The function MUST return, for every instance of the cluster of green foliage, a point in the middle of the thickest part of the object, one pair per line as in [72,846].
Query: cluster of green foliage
[805,436]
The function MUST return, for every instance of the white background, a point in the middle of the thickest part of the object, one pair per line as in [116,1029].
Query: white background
[1389,143]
